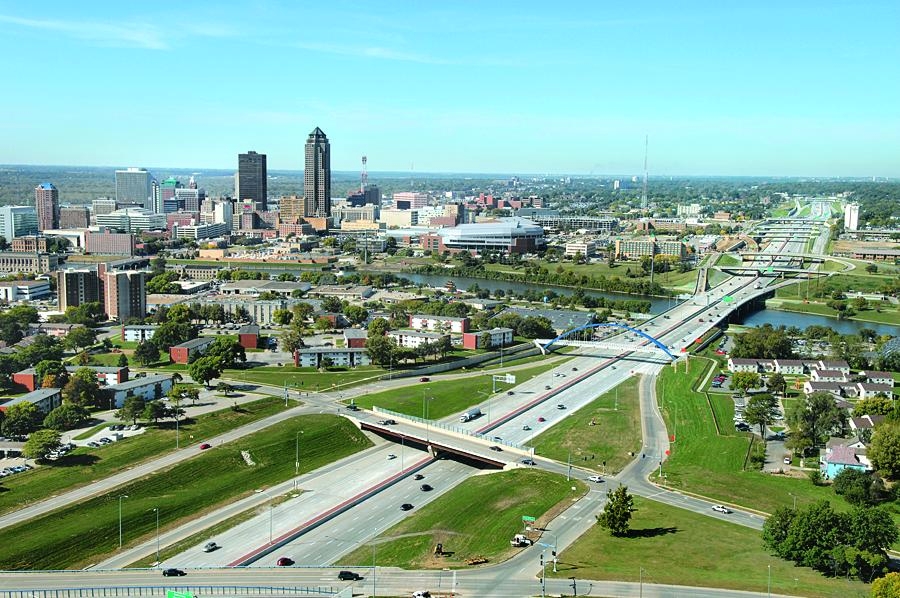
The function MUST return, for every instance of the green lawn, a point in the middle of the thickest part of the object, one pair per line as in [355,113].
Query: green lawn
[728,260]
[668,545]
[712,465]
[617,431]
[886,313]
[107,359]
[91,432]
[446,397]
[667,279]
[477,518]
[306,379]
[85,465]
[87,532]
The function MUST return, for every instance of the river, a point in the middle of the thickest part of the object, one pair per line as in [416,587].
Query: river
[788,318]
[657,304]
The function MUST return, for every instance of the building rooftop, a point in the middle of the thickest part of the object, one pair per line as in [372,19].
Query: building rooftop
[196,343]
[140,382]
[32,397]
[249,329]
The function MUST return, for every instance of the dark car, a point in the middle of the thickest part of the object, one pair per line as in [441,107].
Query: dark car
[425,488]
[285,561]
[173,573]
[406,507]
[496,448]
[528,462]
[349,576]
[352,407]
[424,379]
[419,476]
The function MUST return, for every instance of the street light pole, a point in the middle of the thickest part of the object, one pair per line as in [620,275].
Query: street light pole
[120,518]
[373,566]
[156,510]
[271,517]
[297,459]
[769,586]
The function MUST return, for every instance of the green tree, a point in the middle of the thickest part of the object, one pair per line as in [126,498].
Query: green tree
[332,305]
[51,369]
[82,389]
[322,324]
[22,419]
[180,313]
[616,515]
[282,317]
[122,362]
[146,353]
[776,384]
[873,406]
[763,342]
[536,327]
[857,487]
[42,348]
[228,352]
[41,443]
[356,314]
[224,388]
[884,450]
[760,411]
[291,340]
[173,333]
[381,349]
[744,381]
[154,411]
[813,417]
[302,311]
[132,409]
[80,337]
[378,327]
[205,369]
[67,417]
[889,585]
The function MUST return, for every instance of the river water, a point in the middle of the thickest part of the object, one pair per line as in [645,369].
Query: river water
[787,319]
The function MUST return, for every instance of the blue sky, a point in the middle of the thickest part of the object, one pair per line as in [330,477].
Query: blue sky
[769,88]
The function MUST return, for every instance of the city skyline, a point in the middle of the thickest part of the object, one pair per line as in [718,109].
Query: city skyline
[756,90]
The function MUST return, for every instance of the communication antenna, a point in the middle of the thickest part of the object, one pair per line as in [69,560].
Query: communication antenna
[363,177]
[644,192]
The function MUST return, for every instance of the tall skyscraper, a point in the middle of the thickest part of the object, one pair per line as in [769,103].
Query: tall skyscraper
[167,191]
[317,176]
[46,203]
[76,287]
[133,187]
[251,180]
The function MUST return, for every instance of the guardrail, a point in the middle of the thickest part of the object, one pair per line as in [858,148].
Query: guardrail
[223,590]
[448,427]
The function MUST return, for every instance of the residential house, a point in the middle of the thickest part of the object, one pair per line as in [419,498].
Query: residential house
[248,336]
[839,365]
[738,364]
[138,333]
[874,377]
[488,339]
[105,375]
[790,367]
[355,338]
[149,388]
[828,376]
[413,338]
[311,357]
[439,323]
[868,390]
[840,457]
[187,351]
[45,399]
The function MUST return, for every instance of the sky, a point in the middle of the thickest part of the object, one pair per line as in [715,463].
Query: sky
[774,88]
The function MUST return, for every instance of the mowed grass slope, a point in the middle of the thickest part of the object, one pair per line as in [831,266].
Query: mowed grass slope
[85,533]
[449,396]
[712,464]
[477,518]
[85,465]
[676,546]
[615,433]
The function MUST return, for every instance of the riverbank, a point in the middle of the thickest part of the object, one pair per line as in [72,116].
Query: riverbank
[890,317]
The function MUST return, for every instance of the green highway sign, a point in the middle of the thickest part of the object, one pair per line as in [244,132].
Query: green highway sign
[174,594]
[727,299]
[528,519]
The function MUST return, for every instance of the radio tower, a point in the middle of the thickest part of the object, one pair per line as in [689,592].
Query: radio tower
[644,192]
[363,177]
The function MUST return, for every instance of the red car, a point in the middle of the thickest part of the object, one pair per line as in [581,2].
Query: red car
[424,379]
[205,446]
[541,419]
[285,562]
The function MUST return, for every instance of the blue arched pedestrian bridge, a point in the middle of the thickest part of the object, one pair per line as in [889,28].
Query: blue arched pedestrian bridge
[583,336]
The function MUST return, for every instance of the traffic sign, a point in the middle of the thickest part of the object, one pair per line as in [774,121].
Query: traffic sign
[727,299]
[510,379]
[174,594]
[526,518]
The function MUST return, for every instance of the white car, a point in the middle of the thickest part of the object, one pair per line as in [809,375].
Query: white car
[721,509]
[595,478]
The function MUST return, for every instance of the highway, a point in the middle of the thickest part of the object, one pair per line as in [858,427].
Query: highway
[573,384]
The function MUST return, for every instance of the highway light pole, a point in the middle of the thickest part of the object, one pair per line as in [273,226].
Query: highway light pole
[120,518]
[297,458]
[156,510]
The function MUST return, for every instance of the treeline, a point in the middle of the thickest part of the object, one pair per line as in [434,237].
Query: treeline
[537,274]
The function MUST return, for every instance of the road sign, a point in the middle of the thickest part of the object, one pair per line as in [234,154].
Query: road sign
[727,299]
[526,518]
[510,379]
[174,594]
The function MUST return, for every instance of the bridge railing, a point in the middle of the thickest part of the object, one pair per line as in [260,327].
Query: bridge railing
[447,427]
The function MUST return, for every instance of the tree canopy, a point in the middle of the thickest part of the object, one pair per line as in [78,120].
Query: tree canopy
[764,342]
[616,515]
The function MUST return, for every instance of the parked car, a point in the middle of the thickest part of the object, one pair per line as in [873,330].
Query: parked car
[526,427]
[173,573]
[787,460]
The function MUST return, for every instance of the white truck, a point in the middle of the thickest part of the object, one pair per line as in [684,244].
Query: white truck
[520,541]
[470,415]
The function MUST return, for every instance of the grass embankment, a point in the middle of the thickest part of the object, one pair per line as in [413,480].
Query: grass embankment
[85,465]
[467,530]
[668,545]
[85,533]
[712,463]
[446,397]
[616,431]
[306,379]
[728,260]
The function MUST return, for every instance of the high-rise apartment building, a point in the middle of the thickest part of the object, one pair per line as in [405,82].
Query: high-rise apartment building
[410,200]
[252,183]
[76,287]
[190,199]
[74,217]
[317,176]
[291,209]
[125,295]
[106,243]
[16,221]
[851,217]
[46,204]
[103,205]
[133,187]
